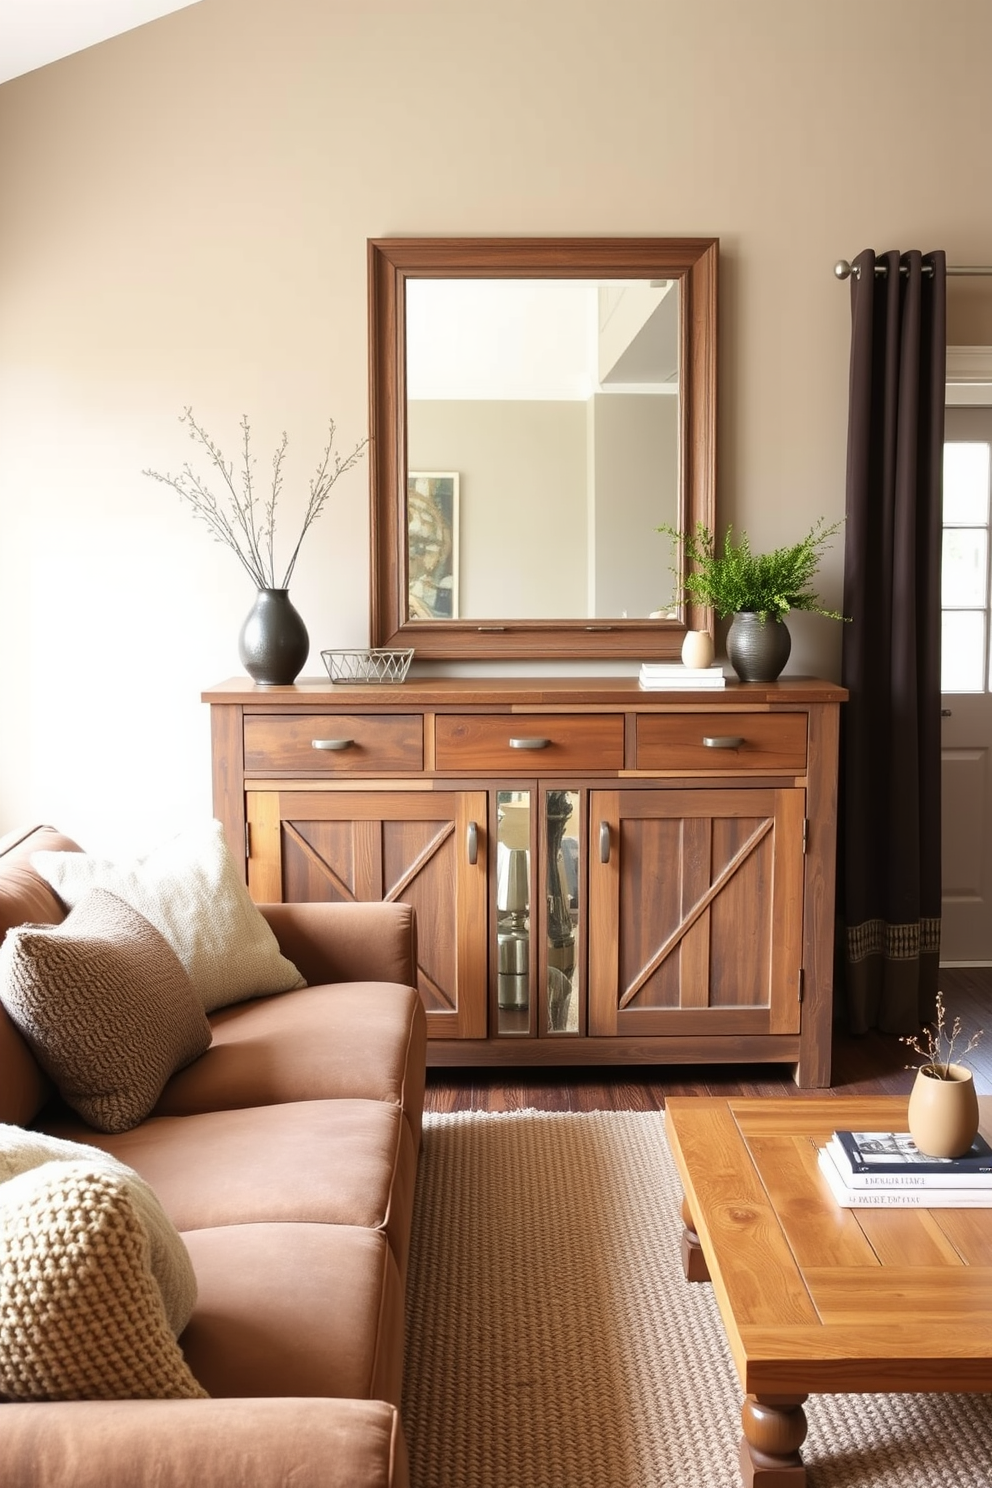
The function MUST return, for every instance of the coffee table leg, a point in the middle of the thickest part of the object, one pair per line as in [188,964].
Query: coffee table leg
[693,1260]
[774,1430]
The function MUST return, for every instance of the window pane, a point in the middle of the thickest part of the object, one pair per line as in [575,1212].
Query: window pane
[962,647]
[964,567]
[966,483]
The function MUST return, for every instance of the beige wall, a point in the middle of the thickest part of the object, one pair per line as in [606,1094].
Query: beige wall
[636,483]
[520,464]
[184,216]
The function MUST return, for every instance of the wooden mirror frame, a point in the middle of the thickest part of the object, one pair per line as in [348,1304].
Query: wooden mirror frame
[391,261]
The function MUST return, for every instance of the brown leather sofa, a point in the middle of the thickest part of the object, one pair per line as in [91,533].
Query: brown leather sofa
[286,1156]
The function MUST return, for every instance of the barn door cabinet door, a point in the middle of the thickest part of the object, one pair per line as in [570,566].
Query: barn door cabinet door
[427,849]
[696,912]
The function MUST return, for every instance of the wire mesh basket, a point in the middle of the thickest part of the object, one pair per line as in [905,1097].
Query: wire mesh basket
[368,666]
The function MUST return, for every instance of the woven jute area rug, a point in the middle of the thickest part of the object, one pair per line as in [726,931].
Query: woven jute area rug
[553,1342]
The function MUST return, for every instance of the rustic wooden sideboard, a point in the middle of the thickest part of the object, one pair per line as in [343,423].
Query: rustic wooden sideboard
[601,874]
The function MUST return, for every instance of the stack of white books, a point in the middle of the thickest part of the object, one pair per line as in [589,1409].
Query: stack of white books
[878,1170]
[658,675]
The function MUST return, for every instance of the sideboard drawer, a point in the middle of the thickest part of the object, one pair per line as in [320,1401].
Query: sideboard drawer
[766,742]
[527,743]
[334,744]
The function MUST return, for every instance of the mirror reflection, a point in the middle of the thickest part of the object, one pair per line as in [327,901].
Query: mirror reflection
[542,436]
[523,913]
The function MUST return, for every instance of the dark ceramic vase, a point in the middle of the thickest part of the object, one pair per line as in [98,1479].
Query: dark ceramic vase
[758,646]
[273,644]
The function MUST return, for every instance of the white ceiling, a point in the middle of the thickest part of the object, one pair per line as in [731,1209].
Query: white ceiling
[35,32]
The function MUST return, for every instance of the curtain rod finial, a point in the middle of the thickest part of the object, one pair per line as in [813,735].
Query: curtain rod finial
[844,270]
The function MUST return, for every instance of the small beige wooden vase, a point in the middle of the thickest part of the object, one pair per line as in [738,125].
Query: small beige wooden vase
[943,1114]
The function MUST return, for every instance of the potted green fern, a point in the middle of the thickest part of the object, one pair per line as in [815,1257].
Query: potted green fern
[757,589]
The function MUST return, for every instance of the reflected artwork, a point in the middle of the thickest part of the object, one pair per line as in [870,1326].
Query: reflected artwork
[432,545]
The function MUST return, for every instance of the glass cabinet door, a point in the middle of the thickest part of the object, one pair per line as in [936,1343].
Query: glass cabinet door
[537,912]
[513,911]
[561,910]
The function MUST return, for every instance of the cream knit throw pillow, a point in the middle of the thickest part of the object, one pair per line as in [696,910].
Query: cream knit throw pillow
[191,890]
[81,1316]
[22,1150]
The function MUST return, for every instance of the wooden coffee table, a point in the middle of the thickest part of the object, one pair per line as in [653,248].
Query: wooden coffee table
[816,1298]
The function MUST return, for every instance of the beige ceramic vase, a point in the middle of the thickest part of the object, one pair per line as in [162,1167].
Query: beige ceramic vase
[943,1114]
[697,649]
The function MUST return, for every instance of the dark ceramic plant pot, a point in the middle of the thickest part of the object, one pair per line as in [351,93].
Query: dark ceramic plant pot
[273,644]
[758,647]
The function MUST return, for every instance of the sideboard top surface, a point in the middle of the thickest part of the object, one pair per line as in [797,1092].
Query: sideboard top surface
[439,692]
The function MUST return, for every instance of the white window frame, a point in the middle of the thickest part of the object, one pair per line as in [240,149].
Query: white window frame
[968,384]
[968,377]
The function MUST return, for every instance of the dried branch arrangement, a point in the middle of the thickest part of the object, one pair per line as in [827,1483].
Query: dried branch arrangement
[242,520]
[938,1049]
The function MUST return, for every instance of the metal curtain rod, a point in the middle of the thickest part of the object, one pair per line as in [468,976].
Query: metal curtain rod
[844,270]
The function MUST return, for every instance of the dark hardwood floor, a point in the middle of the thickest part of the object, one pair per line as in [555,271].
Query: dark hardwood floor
[874,1064]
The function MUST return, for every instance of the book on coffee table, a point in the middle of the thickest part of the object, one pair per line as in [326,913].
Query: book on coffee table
[902,1196]
[894,1152]
[915,1170]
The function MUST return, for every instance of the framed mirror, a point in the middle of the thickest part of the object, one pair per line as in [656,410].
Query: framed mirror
[539,407]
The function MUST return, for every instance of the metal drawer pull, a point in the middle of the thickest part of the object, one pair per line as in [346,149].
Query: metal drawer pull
[472,842]
[529,743]
[331,743]
[722,741]
[604,842]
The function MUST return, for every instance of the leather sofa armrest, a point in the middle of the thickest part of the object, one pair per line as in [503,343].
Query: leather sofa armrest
[347,942]
[311,1443]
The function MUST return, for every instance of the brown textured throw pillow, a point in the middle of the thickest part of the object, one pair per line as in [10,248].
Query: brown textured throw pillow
[81,1315]
[105,1005]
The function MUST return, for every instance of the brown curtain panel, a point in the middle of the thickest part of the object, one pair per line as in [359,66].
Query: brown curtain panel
[889,859]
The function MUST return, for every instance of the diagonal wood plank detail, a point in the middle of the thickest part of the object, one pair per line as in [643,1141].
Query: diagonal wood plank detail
[430,984]
[428,851]
[697,909]
[316,861]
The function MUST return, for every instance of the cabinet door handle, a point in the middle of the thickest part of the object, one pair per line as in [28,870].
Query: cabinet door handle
[331,743]
[604,842]
[472,843]
[529,743]
[722,741]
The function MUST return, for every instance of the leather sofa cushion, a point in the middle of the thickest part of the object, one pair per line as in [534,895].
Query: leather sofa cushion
[346,1162]
[25,1087]
[221,1443]
[364,1040]
[295,1309]
[347,941]
[25,898]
